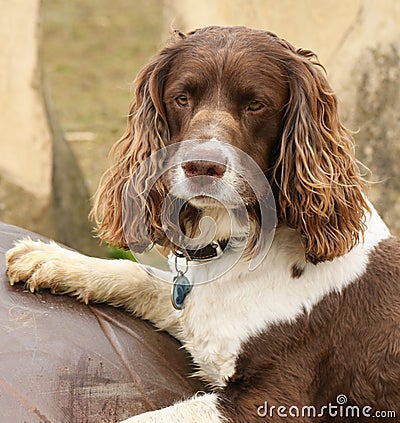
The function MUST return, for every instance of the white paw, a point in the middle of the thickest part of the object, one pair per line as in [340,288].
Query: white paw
[39,265]
[199,409]
[158,416]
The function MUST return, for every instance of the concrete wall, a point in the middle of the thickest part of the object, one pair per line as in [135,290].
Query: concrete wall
[22,124]
[358,42]
[41,187]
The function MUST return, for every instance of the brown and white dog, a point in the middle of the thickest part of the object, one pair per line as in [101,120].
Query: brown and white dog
[319,319]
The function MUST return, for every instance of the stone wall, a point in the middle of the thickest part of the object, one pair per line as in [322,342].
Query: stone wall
[358,42]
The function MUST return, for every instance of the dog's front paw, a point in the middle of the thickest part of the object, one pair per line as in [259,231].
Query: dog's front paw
[158,416]
[36,263]
[141,418]
[199,409]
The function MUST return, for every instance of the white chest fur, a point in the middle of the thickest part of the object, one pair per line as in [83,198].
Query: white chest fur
[219,316]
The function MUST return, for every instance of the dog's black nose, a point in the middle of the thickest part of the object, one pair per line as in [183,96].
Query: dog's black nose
[203,168]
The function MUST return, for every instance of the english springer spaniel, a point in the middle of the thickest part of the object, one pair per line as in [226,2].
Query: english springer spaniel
[315,322]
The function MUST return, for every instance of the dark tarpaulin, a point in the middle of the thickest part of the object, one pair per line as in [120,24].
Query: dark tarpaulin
[63,361]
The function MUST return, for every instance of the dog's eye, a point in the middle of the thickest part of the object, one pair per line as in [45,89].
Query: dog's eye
[255,106]
[182,101]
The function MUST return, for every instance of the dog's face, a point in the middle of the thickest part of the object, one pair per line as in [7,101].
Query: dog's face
[228,90]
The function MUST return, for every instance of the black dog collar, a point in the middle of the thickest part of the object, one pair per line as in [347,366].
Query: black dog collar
[181,285]
[208,252]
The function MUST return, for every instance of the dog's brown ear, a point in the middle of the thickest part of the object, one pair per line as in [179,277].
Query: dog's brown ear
[321,193]
[147,131]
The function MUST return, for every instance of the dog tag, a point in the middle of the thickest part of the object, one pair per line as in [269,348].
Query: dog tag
[180,289]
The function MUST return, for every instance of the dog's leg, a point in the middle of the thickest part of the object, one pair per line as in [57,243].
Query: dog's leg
[199,409]
[121,283]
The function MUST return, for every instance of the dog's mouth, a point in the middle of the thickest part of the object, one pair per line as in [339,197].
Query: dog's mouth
[205,202]
[206,191]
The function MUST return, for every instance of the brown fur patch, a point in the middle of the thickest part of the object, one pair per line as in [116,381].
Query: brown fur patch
[297,271]
[349,344]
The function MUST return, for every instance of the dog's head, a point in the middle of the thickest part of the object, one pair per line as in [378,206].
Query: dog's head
[255,92]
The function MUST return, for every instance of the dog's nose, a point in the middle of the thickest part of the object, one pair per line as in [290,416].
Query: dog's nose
[203,168]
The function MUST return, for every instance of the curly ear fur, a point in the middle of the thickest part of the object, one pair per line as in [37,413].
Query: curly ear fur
[320,191]
[147,131]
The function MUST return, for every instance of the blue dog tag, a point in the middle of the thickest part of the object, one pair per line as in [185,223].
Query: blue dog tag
[180,289]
